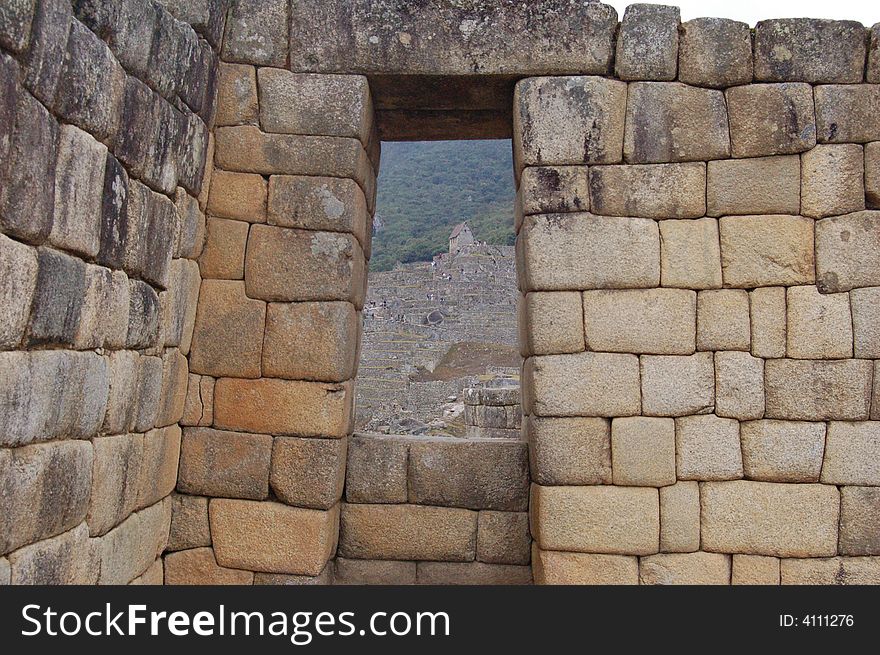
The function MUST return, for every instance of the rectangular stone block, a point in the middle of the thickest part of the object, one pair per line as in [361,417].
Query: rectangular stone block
[833,570]
[832,180]
[551,323]
[782,451]
[65,559]
[852,453]
[149,386]
[132,546]
[175,376]
[690,254]
[685,569]
[503,537]
[143,316]
[707,448]
[771,119]
[677,385]
[116,474]
[370,572]
[178,305]
[189,523]
[56,309]
[739,386]
[768,321]
[122,398]
[570,451]
[715,52]
[158,469]
[760,185]
[376,471]
[872,174]
[237,102]
[643,451]
[649,190]
[191,238]
[758,251]
[226,464]
[647,43]
[106,304]
[860,521]
[240,196]
[723,320]
[680,518]
[866,321]
[198,566]
[223,254]
[308,472]
[819,324]
[472,573]
[755,570]
[554,189]
[818,390]
[848,113]
[848,252]
[256,33]
[18,281]
[558,568]
[408,532]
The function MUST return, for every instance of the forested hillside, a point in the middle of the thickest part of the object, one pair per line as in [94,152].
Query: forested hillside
[426,188]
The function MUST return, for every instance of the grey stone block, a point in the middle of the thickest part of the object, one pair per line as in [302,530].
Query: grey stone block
[126,25]
[58,299]
[69,558]
[257,33]
[114,215]
[16,17]
[143,316]
[18,280]
[376,470]
[715,52]
[42,63]
[647,43]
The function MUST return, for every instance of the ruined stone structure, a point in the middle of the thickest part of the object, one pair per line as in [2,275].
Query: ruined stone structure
[697,254]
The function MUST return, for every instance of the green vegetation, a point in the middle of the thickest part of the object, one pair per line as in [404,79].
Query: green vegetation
[426,188]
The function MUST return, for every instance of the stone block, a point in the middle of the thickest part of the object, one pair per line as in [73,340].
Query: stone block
[408,532]
[169,54]
[873,70]
[832,180]
[551,323]
[15,24]
[148,395]
[697,568]
[132,546]
[715,52]
[875,403]
[819,324]
[782,451]
[154,576]
[872,174]
[598,519]
[817,390]
[643,451]
[177,305]
[690,254]
[114,250]
[584,384]
[616,321]
[308,472]
[831,571]
[175,375]
[758,251]
[191,237]
[10,89]
[162,225]
[325,577]
[764,518]
[225,464]
[768,320]
[647,43]
[570,451]
[771,119]
[680,518]
[472,573]
[707,448]
[554,189]
[580,251]
[860,521]
[44,58]
[287,407]
[809,50]
[755,570]
[470,474]
[558,568]
[105,306]
[240,196]
[237,102]
[223,255]
[376,470]
[848,252]
[593,108]
[158,469]
[739,385]
[649,190]
[760,185]
[852,453]
[122,370]
[65,559]
[18,281]
[116,475]
[189,523]
[673,122]
[56,309]
[866,321]
[848,113]
[199,567]
[677,385]
[256,33]
[370,572]
[503,537]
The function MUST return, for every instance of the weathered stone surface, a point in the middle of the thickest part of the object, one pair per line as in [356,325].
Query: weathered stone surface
[122,369]
[754,570]
[175,375]
[690,254]
[116,474]
[65,559]
[158,470]
[771,119]
[271,537]
[45,56]
[191,165]
[647,43]
[707,448]
[223,255]
[143,316]
[503,537]
[761,251]
[866,321]
[552,323]
[832,181]
[408,532]
[491,474]
[162,226]
[782,451]
[768,320]
[552,189]
[105,306]
[584,384]
[673,122]
[875,403]
[305,409]
[763,518]
[852,453]
[241,196]
[237,102]
[582,251]
[226,464]
[809,50]
[256,33]
[132,546]
[677,385]
[177,305]
[833,570]
[15,23]
[58,297]
[308,472]
[715,52]
[723,320]
[603,519]
[199,567]
[819,324]
[325,577]
[155,575]
[472,573]
[570,451]
[10,89]
[848,252]
[376,470]
[593,108]
[365,571]
[680,518]
[191,237]
[649,190]
[189,523]
[148,395]
[170,53]
[818,390]
[739,385]
[860,521]
[18,281]
[615,321]
[873,70]
[760,185]
[558,568]
[872,174]
[685,568]
[643,451]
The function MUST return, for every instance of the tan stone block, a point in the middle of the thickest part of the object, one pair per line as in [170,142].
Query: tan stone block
[676,385]
[860,521]
[760,251]
[552,323]
[848,113]
[236,95]
[4,571]
[158,469]
[848,252]
[755,570]
[866,321]
[875,403]
[817,390]
[191,218]
[131,547]
[764,518]
[308,472]
[371,572]
[122,398]
[680,518]
[554,189]
[647,43]
[598,519]
[739,386]
[577,251]
[852,453]
[723,320]
[199,567]
[782,451]
[304,409]
[189,523]
[649,190]
[223,255]
[643,451]
[768,320]
[65,559]
[655,321]
[570,451]
[325,577]
[175,376]
[583,384]
[558,568]
[819,324]
[311,341]
[707,448]
[153,576]
[198,406]
[872,174]
[408,532]
[239,196]
[831,571]
[771,119]
[472,573]
[685,569]
[503,537]
[690,254]
[760,185]
[271,537]
[832,180]
[228,334]
[376,470]
[226,464]
[115,480]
